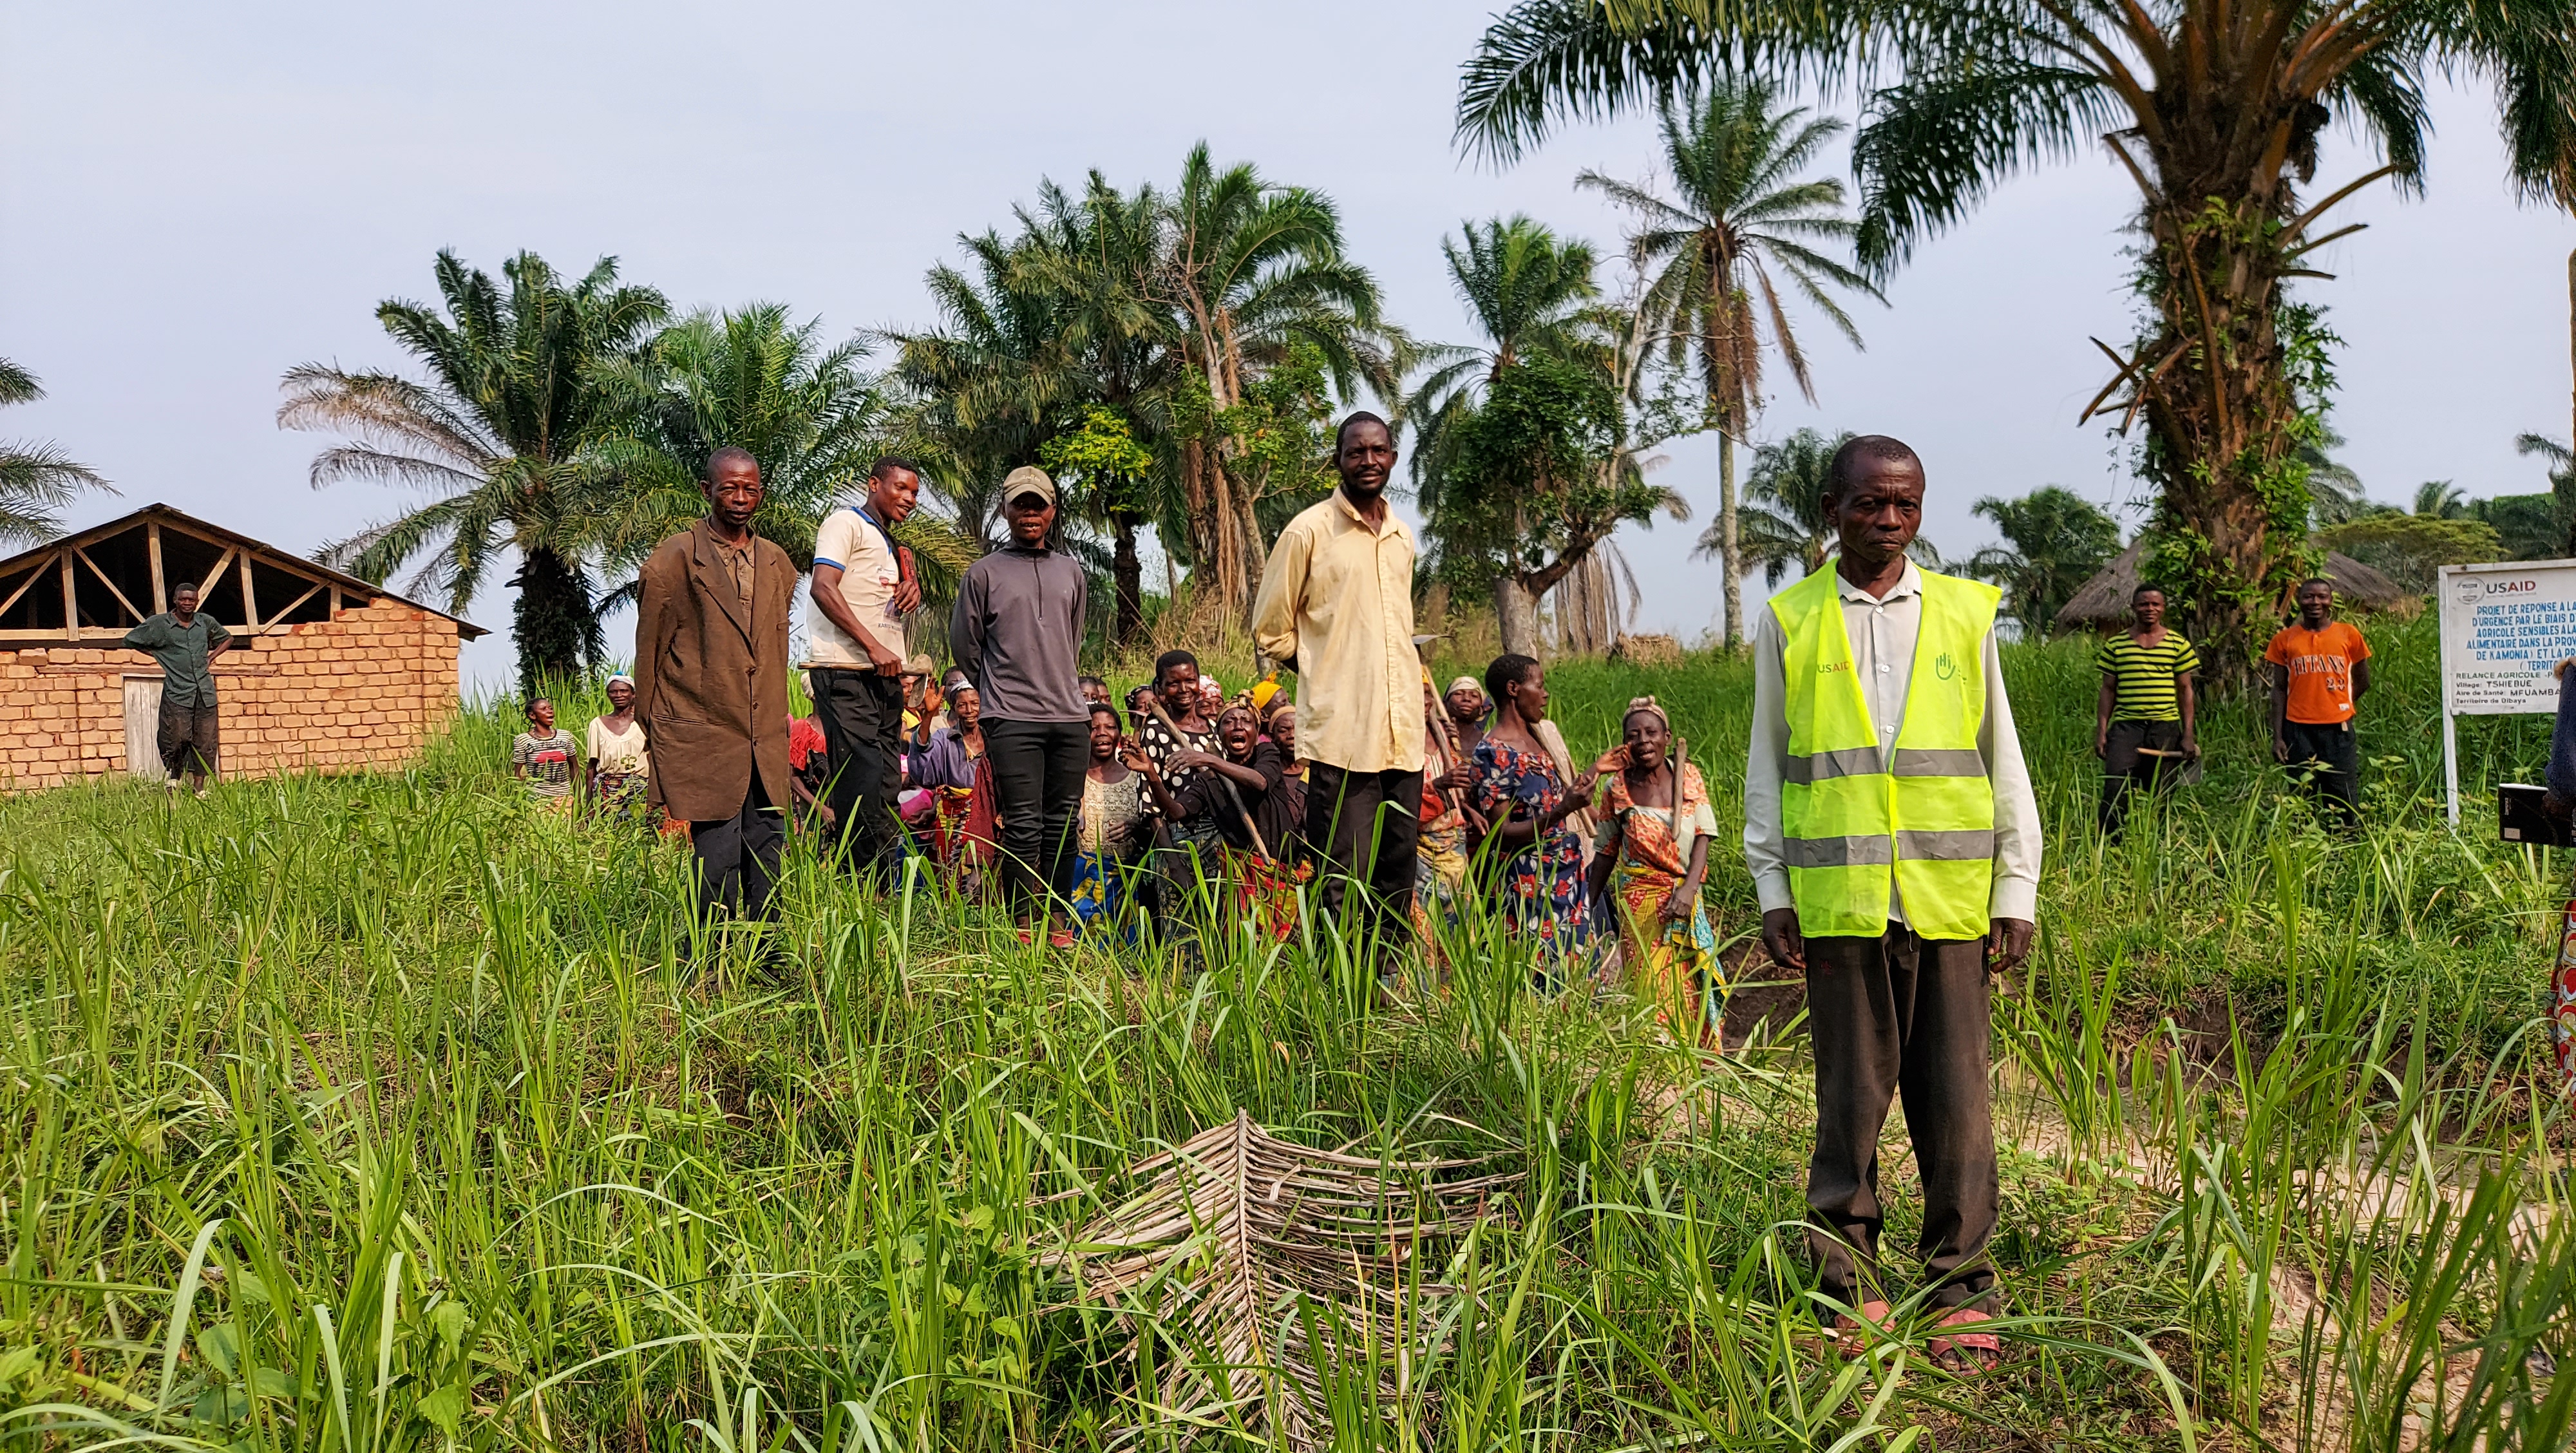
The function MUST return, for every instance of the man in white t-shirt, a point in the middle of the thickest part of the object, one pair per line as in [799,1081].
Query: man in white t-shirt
[863,588]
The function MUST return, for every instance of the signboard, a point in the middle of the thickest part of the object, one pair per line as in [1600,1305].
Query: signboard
[2505,628]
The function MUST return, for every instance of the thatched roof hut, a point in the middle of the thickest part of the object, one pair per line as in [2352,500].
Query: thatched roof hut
[2104,600]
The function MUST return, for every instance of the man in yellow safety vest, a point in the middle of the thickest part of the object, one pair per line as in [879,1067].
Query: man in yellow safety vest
[1894,843]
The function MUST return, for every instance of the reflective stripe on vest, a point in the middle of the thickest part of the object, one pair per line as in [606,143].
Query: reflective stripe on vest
[1861,819]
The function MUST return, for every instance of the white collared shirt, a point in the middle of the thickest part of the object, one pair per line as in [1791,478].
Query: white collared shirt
[1882,632]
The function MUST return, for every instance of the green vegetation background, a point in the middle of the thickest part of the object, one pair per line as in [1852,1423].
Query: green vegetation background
[382,1110]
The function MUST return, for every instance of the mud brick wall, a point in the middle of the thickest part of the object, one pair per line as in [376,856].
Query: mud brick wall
[362,691]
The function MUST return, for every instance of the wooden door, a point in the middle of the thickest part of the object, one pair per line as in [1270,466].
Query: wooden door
[143,728]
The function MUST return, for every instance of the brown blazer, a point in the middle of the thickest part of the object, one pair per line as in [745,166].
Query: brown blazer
[711,684]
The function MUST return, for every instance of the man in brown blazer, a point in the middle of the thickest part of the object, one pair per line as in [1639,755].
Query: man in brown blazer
[711,686]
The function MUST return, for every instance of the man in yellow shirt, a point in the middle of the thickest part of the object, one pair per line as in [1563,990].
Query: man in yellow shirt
[1337,602]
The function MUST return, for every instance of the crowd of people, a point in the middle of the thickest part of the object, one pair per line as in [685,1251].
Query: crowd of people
[1889,824]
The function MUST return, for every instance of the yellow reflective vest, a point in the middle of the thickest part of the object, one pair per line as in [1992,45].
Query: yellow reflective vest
[1856,814]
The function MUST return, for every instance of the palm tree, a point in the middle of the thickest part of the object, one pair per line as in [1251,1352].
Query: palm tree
[35,479]
[986,383]
[1529,292]
[2335,492]
[1526,499]
[2214,110]
[494,436]
[1784,524]
[1100,255]
[1740,211]
[753,379]
[1252,269]
[2558,535]
[2055,540]
[2440,499]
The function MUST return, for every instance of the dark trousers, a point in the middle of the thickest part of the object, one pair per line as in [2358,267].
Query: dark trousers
[1888,1016]
[187,737]
[2328,754]
[2126,768]
[862,716]
[738,857]
[1037,771]
[1366,826]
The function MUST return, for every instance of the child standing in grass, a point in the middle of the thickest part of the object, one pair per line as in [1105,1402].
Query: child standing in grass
[2143,717]
[541,758]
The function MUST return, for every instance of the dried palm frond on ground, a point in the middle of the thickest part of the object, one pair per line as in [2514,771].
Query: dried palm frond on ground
[1256,1268]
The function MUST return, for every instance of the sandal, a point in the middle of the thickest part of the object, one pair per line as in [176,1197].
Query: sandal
[1852,1335]
[1965,1354]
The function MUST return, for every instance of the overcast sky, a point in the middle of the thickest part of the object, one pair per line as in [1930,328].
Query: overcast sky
[198,197]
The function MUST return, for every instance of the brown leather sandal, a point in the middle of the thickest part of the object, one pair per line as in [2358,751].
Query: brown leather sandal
[1965,1354]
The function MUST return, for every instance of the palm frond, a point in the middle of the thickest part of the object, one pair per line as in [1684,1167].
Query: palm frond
[1239,1242]
[1934,145]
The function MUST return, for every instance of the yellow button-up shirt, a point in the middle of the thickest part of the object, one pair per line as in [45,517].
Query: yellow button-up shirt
[1337,599]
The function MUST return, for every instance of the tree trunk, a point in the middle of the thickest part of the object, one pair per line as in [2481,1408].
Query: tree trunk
[1516,611]
[552,622]
[1730,546]
[1256,553]
[1127,571]
[2222,419]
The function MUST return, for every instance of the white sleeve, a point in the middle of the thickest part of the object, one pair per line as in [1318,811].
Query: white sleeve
[1766,762]
[832,539]
[2016,889]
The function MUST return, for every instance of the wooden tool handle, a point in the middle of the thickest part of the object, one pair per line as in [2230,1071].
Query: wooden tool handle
[1245,813]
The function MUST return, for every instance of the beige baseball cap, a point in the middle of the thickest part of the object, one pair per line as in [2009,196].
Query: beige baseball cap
[1028,479]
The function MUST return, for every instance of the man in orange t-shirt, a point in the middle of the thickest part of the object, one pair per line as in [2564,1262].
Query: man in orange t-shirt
[2318,668]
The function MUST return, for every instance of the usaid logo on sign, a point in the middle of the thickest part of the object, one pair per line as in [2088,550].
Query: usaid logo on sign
[2479,589]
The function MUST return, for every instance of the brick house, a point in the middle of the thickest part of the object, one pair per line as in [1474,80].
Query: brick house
[326,672]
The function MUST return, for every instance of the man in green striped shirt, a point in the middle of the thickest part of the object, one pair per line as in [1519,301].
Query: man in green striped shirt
[2143,720]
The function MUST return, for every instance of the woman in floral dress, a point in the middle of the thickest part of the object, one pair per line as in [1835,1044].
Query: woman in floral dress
[1537,861]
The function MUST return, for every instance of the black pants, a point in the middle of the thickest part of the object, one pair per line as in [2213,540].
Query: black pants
[1037,771]
[862,716]
[187,737]
[2126,768]
[1901,1015]
[1366,826]
[2328,755]
[738,857]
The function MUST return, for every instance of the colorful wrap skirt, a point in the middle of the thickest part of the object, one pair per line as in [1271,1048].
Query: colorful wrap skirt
[622,795]
[1265,890]
[1099,891]
[1672,964]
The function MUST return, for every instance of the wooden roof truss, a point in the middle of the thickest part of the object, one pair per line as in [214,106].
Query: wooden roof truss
[93,587]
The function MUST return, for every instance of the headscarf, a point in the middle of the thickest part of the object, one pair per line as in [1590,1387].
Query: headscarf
[1650,706]
[1242,704]
[620,676]
[1465,683]
[1262,693]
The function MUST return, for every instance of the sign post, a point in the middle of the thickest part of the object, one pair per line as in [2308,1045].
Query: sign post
[2505,627]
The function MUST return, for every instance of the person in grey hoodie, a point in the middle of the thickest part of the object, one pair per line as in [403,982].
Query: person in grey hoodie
[1017,634]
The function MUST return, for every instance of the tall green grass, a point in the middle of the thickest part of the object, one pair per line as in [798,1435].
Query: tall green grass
[383,1113]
